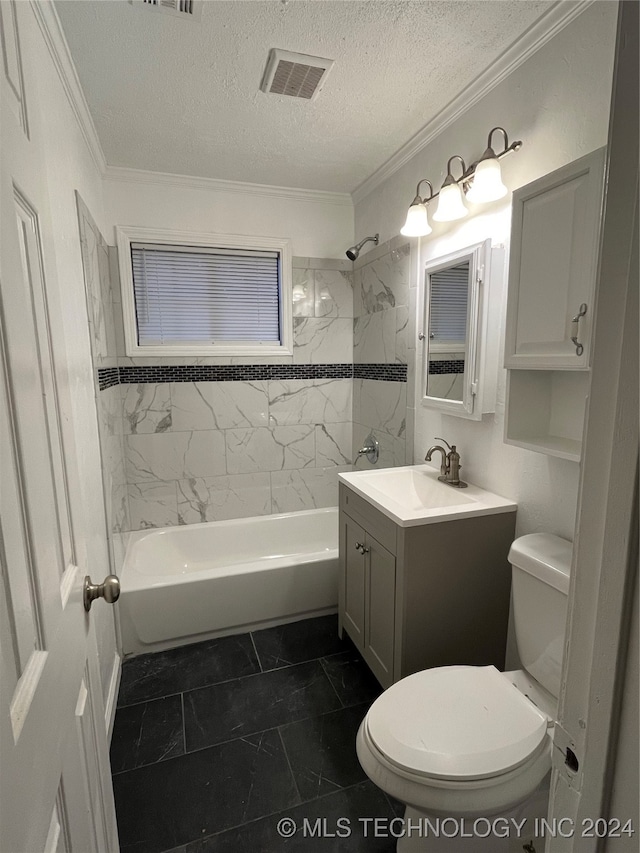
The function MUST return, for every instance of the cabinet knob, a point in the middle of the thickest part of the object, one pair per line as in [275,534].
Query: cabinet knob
[575,323]
[359,546]
[364,550]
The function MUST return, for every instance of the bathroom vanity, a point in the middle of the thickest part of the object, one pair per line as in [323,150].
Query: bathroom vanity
[424,575]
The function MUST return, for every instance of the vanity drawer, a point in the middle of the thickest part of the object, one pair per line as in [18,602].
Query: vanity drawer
[381,527]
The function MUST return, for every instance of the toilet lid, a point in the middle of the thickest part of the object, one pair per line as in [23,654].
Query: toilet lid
[456,722]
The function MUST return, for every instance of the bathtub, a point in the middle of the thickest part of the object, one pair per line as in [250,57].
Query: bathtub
[185,584]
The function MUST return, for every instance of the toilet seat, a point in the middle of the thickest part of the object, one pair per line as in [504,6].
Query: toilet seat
[456,724]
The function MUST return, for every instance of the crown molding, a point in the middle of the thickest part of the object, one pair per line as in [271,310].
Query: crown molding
[539,33]
[142,176]
[51,28]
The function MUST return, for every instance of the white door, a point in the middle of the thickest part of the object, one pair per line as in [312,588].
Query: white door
[55,789]
[552,267]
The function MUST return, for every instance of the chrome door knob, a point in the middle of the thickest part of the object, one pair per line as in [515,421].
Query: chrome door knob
[109,589]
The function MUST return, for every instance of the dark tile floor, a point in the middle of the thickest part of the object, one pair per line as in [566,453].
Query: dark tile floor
[214,743]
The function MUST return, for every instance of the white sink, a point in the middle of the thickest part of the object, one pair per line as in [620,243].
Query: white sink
[413,495]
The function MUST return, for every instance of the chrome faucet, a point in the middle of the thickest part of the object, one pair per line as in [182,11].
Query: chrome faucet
[450,464]
[370,449]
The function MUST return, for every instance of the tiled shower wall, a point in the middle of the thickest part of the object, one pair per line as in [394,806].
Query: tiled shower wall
[382,297]
[208,439]
[248,436]
[103,309]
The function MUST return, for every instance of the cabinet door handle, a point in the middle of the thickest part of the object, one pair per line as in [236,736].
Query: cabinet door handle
[364,550]
[575,322]
[360,547]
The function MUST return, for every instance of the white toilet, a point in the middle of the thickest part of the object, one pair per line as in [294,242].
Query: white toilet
[463,741]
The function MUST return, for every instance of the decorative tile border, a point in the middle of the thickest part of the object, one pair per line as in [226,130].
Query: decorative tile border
[383,372]
[450,366]
[109,376]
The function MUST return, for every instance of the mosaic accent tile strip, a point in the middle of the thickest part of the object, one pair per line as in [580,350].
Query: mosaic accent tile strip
[451,366]
[108,377]
[383,372]
[248,373]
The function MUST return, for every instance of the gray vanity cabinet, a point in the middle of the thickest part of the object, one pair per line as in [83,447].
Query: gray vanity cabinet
[430,595]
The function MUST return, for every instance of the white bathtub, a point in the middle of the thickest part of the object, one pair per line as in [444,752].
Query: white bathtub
[185,584]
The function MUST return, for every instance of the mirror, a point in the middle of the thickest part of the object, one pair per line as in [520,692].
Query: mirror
[451,295]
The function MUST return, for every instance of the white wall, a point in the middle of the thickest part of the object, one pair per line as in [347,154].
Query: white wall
[319,226]
[557,102]
[68,166]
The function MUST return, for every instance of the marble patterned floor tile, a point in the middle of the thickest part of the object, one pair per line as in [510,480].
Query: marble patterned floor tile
[218,405]
[176,801]
[147,733]
[297,642]
[358,805]
[322,751]
[259,449]
[146,408]
[163,673]
[203,499]
[351,678]
[257,702]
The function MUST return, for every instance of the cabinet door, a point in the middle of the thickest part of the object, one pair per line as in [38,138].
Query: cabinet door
[380,609]
[353,589]
[552,270]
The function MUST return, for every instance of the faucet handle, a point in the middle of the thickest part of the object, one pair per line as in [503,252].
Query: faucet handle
[444,442]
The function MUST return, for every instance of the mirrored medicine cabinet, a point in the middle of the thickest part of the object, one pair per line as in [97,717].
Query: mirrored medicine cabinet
[459,353]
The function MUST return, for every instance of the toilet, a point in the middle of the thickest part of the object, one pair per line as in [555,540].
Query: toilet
[464,742]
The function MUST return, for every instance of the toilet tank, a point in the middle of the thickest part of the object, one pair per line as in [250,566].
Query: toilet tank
[540,573]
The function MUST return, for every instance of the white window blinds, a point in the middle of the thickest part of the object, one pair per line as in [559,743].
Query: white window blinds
[449,290]
[188,296]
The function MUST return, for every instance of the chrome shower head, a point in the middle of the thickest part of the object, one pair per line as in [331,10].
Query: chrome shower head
[354,251]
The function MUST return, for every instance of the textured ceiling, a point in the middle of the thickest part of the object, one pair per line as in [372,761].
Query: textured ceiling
[183,96]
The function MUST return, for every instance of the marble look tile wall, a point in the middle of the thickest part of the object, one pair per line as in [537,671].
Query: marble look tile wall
[382,287]
[103,313]
[215,450]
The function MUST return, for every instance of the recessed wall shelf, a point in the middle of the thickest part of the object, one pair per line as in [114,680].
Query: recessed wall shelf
[546,411]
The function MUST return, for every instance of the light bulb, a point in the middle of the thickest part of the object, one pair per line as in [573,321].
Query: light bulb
[417,224]
[450,204]
[487,182]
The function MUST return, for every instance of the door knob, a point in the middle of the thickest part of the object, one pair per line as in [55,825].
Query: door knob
[109,589]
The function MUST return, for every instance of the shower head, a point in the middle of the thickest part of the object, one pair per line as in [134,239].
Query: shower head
[354,251]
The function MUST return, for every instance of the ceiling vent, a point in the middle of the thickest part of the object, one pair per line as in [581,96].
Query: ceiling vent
[295,74]
[184,9]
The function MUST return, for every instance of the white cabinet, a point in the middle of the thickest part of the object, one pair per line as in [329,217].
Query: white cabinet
[552,269]
[555,235]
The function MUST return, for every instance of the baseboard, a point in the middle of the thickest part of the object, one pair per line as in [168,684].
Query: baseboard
[111,700]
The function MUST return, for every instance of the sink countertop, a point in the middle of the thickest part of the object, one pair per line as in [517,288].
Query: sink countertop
[413,495]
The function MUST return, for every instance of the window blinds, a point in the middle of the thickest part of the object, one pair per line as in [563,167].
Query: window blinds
[191,295]
[449,289]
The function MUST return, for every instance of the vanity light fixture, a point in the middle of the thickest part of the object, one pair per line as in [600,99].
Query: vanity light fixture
[450,203]
[487,179]
[417,224]
[480,183]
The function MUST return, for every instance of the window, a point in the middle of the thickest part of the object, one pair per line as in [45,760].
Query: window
[204,294]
